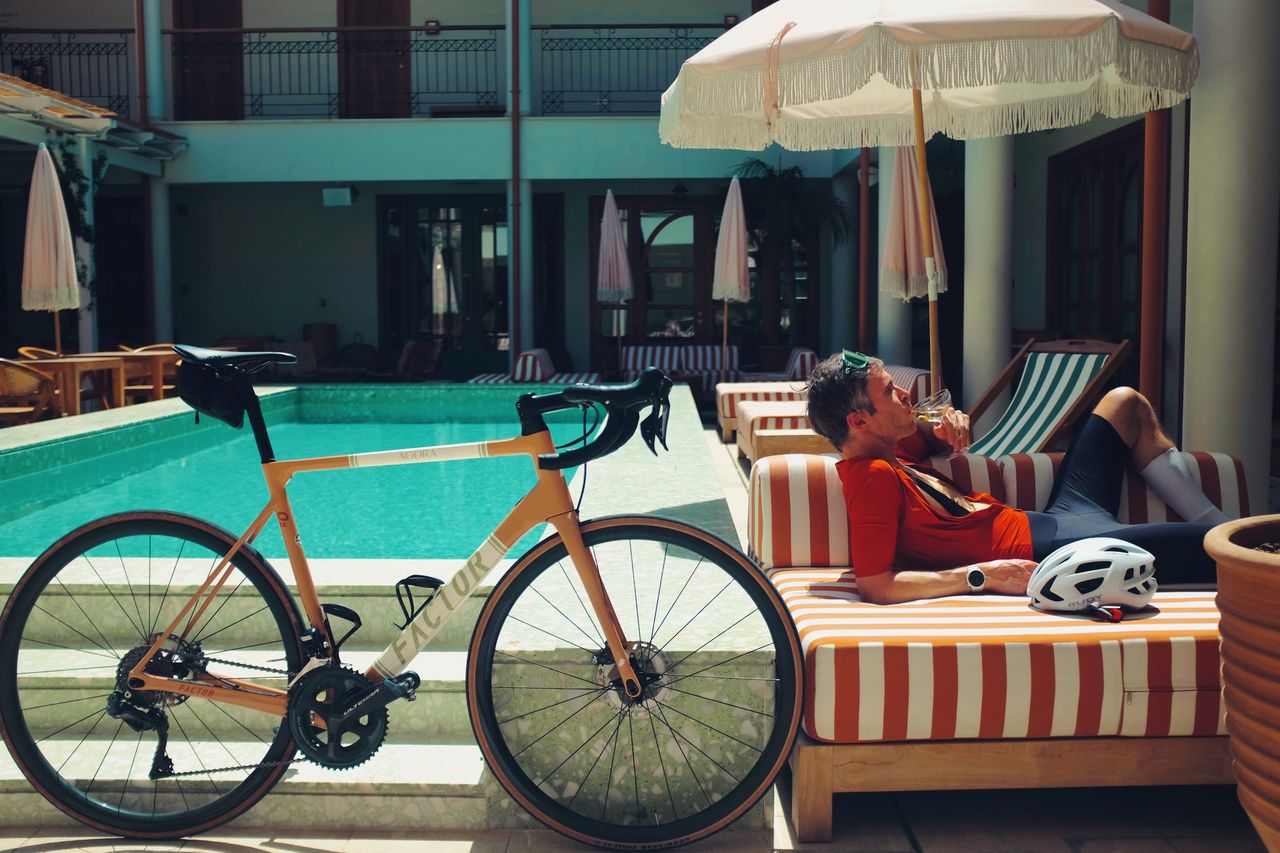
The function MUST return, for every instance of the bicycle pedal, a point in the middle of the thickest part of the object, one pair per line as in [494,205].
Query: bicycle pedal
[404,590]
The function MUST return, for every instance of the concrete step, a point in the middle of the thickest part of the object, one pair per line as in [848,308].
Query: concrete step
[444,787]
[366,586]
[57,678]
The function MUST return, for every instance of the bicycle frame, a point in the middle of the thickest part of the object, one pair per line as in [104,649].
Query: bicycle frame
[548,501]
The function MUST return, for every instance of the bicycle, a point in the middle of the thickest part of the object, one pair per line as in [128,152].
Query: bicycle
[618,710]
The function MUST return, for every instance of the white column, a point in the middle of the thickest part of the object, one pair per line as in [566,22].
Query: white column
[893,316]
[1233,201]
[88,314]
[161,261]
[157,85]
[523,192]
[988,268]
[842,302]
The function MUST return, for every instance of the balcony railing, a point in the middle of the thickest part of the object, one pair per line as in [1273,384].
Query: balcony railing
[364,72]
[621,69]
[336,72]
[94,65]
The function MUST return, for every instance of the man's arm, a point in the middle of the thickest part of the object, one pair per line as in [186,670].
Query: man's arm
[1004,577]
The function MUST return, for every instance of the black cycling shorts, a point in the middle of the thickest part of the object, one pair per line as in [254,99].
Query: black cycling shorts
[1086,499]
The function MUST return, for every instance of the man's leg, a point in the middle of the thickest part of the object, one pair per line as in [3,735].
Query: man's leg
[1155,457]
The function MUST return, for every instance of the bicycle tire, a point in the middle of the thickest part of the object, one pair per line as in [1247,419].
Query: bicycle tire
[534,669]
[141,567]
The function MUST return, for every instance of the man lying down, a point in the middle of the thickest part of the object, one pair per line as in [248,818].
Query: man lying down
[915,534]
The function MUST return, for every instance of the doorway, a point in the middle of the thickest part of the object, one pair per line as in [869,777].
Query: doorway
[442,273]
[373,73]
[208,69]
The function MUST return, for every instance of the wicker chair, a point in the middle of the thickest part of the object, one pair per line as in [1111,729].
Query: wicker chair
[137,377]
[26,394]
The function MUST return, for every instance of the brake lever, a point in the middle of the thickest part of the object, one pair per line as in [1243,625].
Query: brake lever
[655,426]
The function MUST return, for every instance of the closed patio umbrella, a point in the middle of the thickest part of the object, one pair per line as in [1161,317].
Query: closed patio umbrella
[613,271]
[49,280]
[902,266]
[730,282]
[827,74]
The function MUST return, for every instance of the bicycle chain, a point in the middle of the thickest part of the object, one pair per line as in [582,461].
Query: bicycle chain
[209,770]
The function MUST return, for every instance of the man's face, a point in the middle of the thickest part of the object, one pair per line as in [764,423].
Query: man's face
[892,418]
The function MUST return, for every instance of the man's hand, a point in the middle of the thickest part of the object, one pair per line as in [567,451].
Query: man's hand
[1007,577]
[953,430]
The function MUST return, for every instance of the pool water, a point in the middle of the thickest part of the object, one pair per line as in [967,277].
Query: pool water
[439,510]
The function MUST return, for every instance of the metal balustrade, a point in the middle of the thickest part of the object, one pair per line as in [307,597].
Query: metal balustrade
[94,65]
[363,72]
[620,69]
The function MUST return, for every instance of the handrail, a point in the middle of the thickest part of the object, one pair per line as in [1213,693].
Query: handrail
[107,31]
[201,31]
[653,26]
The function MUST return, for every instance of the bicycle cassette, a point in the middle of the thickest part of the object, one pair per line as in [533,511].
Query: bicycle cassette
[318,702]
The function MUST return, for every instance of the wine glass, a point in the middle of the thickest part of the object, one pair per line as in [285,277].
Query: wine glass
[931,408]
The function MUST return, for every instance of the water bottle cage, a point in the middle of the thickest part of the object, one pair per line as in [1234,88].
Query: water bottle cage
[404,595]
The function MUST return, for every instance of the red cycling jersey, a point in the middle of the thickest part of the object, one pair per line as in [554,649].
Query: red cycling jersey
[891,524]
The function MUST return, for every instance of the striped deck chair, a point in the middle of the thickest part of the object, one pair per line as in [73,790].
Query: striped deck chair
[665,357]
[1061,381]
[703,361]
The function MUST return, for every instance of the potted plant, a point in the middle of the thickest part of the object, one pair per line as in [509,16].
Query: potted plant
[1247,552]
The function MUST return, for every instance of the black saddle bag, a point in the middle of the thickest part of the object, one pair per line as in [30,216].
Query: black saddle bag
[203,389]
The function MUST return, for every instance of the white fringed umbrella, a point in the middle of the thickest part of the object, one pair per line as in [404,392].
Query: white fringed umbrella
[843,74]
[902,266]
[49,280]
[731,282]
[613,271]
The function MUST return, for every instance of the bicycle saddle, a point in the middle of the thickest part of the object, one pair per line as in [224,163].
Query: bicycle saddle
[250,362]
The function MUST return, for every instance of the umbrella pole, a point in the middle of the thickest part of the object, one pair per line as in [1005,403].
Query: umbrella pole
[57,333]
[724,344]
[926,233]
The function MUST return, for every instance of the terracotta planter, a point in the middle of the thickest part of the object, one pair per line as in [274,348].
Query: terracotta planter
[1249,600]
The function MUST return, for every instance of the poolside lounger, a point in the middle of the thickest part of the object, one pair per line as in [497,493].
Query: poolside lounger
[534,366]
[759,416]
[1061,381]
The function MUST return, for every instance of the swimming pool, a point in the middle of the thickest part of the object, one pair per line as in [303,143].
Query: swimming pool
[439,511]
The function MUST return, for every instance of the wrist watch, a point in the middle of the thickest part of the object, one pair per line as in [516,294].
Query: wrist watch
[977,579]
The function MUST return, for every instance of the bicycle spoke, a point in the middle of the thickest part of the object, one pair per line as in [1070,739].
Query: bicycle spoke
[657,747]
[558,725]
[107,587]
[687,581]
[723,631]
[552,705]
[585,612]
[680,736]
[172,574]
[583,785]
[97,696]
[553,635]
[106,644]
[662,573]
[705,725]
[545,666]
[672,638]
[588,740]
[125,571]
[706,698]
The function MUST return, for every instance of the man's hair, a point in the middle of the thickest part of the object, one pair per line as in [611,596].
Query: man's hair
[833,394]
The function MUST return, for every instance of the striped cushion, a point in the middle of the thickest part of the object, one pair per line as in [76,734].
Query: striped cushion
[992,667]
[701,358]
[758,414]
[730,394]
[913,379]
[662,356]
[1028,479]
[801,363]
[532,366]
[1051,382]
[491,379]
[573,378]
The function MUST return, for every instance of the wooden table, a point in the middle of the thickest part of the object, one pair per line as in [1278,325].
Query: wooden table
[156,362]
[70,370]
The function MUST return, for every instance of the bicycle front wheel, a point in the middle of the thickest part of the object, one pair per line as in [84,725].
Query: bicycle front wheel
[80,619]
[716,653]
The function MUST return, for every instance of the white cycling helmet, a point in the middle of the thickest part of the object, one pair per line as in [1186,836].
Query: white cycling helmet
[1094,573]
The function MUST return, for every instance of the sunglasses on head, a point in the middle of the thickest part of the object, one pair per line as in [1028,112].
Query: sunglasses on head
[854,361]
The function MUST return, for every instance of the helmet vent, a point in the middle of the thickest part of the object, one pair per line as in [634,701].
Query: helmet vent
[1128,573]
[1087,586]
[1049,594]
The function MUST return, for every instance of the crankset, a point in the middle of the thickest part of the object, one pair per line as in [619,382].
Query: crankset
[338,717]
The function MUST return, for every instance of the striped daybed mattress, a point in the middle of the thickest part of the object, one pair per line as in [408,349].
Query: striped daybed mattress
[983,667]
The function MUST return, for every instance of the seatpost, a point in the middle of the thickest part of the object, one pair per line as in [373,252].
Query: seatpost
[254,410]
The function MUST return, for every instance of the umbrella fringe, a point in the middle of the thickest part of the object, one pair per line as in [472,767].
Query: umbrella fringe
[910,287]
[725,110]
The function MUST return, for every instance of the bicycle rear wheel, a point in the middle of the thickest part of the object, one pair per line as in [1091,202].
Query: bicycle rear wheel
[79,620]
[717,654]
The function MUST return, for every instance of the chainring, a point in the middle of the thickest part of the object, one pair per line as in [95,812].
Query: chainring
[318,697]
